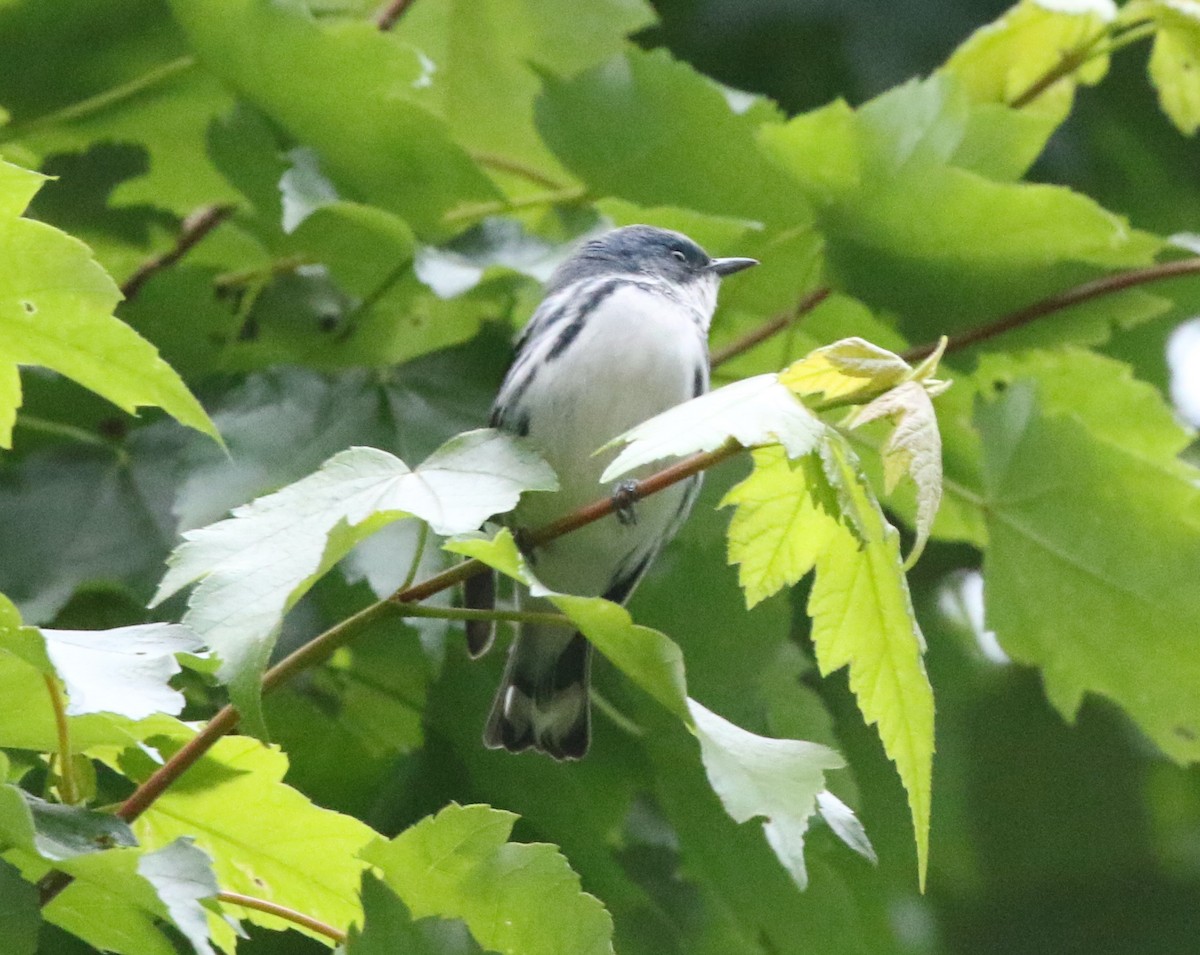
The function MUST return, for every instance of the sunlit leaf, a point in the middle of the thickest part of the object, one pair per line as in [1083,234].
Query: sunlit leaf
[254,566]
[863,618]
[777,530]
[56,308]
[753,411]
[777,780]
[851,367]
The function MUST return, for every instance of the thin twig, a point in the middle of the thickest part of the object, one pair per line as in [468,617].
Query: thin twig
[767,330]
[1107,285]
[391,12]
[283,912]
[195,227]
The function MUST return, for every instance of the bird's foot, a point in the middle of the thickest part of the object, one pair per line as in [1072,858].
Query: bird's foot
[624,497]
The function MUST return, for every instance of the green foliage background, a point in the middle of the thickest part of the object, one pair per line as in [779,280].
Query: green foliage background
[387,202]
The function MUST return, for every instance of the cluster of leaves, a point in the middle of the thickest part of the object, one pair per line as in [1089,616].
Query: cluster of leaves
[335,256]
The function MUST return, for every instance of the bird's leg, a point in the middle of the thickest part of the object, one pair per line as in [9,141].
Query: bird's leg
[521,539]
[624,497]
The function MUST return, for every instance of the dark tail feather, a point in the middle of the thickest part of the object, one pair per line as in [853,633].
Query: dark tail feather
[479,593]
[542,703]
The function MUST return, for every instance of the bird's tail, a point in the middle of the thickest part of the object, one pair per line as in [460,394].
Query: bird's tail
[543,702]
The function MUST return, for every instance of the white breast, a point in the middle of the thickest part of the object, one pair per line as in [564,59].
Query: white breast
[635,356]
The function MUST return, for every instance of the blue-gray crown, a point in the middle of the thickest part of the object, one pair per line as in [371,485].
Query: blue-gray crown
[643,250]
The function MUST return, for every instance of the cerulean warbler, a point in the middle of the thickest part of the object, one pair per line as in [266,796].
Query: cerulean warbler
[620,336]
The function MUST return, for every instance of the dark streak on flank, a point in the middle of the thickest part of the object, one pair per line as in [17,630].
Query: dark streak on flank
[586,307]
[521,426]
[699,382]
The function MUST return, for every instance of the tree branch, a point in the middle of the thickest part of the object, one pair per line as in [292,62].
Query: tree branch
[773,327]
[283,912]
[195,227]
[1097,288]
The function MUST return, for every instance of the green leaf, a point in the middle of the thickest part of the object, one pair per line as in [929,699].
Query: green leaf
[130,81]
[254,566]
[18,912]
[914,448]
[863,618]
[262,835]
[106,882]
[979,247]
[56,308]
[483,80]
[753,411]
[57,832]
[182,875]
[777,530]
[1175,59]
[1002,61]
[513,897]
[778,780]
[1090,538]
[388,927]
[385,148]
[649,129]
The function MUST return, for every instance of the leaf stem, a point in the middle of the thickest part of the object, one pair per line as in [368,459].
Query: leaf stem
[770,328]
[60,430]
[418,553]
[67,786]
[1097,288]
[195,227]
[516,168]
[101,101]
[283,912]
[481,210]
[461,613]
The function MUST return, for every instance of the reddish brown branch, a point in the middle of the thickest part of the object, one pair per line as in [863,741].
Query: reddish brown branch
[767,330]
[391,12]
[1096,288]
[195,227]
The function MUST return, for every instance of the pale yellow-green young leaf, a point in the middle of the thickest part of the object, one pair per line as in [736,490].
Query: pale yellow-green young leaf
[863,618]
[778,528]
[56,310]
[850,367]
[914,448]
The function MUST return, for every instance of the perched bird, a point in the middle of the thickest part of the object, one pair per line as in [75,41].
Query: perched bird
[621,335]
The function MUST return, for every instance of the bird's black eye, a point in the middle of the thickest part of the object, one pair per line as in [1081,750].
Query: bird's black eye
[678,253]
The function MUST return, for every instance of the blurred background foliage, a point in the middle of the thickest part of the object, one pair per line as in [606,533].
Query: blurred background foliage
[1048,835]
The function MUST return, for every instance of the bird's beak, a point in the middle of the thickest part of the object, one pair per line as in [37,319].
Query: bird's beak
[725,267]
